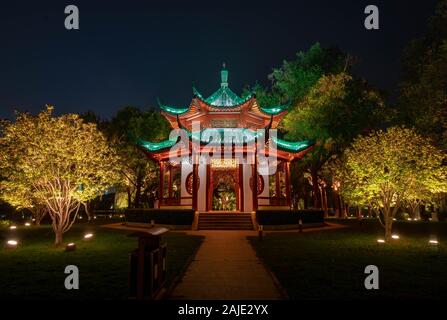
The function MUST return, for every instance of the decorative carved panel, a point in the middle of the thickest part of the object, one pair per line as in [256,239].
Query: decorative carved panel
[225,176]
[260,184]
[189,183]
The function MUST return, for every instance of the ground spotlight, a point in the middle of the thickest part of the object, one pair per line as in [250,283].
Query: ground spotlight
[27,224]
[70,247]
[88,236]
[380,241]
[12,244]
[12,227]
[395,236]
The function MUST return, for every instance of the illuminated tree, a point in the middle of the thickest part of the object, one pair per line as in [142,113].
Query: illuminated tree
[422,101]
[328,105]
[139,176]
[423,96]
[61,161]
[21,198]
[386,170]
[333,113]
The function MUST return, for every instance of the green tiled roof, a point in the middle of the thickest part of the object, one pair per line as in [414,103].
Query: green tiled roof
[156,146]
[275,110]
[172,109]
[239,135]
[223,98]
[292,146]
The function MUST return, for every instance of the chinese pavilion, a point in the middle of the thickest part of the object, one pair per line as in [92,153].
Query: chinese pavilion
[225,184]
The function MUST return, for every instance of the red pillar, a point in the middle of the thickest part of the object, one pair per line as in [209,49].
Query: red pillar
[255,183]
[160,196]
[194,185]
[241,188]
[209,188]
[289,202]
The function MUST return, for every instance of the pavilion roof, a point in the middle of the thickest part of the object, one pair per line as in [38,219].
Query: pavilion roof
[238,135]
[224,99]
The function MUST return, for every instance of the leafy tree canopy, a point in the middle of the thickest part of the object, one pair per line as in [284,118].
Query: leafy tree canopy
[139,176]
[423,98]
[385,169]
[59,161]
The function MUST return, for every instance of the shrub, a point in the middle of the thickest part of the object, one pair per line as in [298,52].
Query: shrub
[172,217]
[289,217]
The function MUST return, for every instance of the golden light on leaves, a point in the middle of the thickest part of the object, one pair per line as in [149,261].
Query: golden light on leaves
[58,162]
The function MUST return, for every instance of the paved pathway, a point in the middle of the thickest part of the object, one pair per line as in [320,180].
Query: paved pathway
[226,267]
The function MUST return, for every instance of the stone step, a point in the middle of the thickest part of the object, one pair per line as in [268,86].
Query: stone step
[225,218]
[225,224]
[225,228]
[225,221]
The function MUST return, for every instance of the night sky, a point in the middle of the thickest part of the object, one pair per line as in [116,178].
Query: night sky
[131,52]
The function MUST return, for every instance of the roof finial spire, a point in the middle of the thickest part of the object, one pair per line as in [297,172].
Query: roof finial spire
[224,76]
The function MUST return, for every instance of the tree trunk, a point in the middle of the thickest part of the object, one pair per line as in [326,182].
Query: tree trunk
[38,220]
[315,189]
[388,225]
[345,210]
[38,212]
[359,213]
[138,193]
[336,203]
[326,206]
[417,213]
[58,238]
[129,198]
[88,206]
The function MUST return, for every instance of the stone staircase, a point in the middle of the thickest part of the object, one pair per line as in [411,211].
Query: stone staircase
[225,221]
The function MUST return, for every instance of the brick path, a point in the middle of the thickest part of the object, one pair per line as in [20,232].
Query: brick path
[226,267]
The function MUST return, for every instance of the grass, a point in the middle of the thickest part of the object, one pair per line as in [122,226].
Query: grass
[330,264]
[35,270]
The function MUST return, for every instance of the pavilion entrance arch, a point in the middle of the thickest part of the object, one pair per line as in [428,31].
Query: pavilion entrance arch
[224,190]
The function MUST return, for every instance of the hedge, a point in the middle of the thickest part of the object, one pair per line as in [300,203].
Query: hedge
[172,217]
[270,217]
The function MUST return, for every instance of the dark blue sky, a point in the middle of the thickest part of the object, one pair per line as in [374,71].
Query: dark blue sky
[131,52]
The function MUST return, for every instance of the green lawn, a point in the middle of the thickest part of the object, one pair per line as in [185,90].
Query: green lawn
[330,264]
[36,269]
